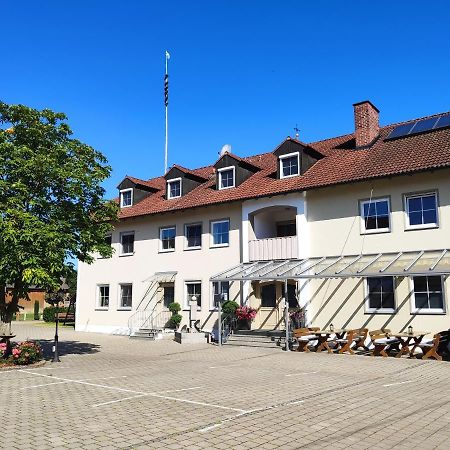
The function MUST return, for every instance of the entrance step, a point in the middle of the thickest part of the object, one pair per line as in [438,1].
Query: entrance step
[146,333]
[257,338]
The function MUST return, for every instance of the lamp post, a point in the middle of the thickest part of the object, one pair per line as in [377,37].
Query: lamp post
[63,290]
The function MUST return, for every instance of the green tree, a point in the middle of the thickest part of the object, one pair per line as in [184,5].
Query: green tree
[51,202]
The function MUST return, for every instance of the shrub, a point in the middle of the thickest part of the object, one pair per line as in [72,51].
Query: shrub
[36,310]
[25,353]
[2,349]
[229,307]
[174,307]
[175,320]
[50,311]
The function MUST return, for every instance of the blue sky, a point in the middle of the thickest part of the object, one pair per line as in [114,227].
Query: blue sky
[241,73]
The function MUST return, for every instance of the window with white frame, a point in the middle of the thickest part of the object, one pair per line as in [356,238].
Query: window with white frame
[103,296]
[126,198]
[289,165]
[421,210]
[167,239]
[174,188]
[194,290]
[221,292]
[380,295]
[220,233]
[126,296]
[428,294]
[227,177]
[127,243]
[375,215]
[193,234]
[108,242]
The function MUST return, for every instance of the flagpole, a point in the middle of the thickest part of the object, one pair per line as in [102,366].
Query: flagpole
[166,102]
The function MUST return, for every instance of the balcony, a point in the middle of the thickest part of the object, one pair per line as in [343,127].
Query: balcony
[273,248]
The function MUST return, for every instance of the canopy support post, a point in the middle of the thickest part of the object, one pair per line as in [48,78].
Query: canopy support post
[286,313]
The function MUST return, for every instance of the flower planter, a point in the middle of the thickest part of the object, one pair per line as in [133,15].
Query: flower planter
[244,324]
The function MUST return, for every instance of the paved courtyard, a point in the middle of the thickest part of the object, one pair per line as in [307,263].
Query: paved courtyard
[109,392]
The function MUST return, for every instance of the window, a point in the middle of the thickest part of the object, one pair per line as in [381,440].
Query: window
[103,296]
[375,215]
[108,239]
[421,211]
[127,243]
[126,296]
[268,296]
[168,295]
[220,233]
[226,177]
[126,198]
[289,165]
[221,290]
[194,289]
[167,239]
[174,188]
[193,235]
[380,294]
[292,295]
[428,294]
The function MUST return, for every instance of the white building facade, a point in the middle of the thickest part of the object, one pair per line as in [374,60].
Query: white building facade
[375,191]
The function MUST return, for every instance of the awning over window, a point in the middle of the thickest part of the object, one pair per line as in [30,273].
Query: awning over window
[427,262]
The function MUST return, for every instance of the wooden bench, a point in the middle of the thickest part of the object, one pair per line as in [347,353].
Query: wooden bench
[303,337]
[430,349]
[382,342]
[67,317]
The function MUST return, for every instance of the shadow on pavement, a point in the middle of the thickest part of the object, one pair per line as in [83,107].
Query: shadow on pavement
[68,348]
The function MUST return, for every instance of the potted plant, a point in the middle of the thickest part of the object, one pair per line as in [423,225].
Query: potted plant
[176,318]
[245,315]
[230,307]
[297,316]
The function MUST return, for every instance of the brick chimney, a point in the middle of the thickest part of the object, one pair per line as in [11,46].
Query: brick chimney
[367,127]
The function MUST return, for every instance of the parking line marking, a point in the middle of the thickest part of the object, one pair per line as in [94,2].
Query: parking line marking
[179,390]
[131,391]
[223,367]
[295,402]
[301,373]
[400,382]
[40,385]
[117,401]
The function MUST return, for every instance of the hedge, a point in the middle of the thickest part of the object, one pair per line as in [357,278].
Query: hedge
[50,311]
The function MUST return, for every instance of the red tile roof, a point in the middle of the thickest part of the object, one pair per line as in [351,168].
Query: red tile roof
[341,164]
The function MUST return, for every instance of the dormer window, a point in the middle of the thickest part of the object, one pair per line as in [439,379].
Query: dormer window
[289,165]
[174,188]
[126,198]
[227,177]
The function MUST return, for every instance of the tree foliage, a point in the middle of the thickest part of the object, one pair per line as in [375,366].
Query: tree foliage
[51,201]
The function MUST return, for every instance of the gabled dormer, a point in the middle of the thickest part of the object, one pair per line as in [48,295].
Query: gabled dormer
[180,181]
[132,191]
[231,171]
[294,158]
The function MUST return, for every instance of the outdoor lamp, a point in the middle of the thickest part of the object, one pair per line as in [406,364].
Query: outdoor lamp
[331,327]
[63,290]
[410,330]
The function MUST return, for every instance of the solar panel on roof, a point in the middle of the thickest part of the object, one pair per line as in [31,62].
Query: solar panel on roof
[423,125]
[444,121]
[420,126]
[401,130]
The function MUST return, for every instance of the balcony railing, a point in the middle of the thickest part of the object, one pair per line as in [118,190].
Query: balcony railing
[273,248]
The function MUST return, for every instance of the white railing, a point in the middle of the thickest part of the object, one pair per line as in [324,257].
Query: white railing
[273,248]
[152,320]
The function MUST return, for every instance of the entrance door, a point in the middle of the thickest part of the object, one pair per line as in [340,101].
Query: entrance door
[168,295]
[269,315]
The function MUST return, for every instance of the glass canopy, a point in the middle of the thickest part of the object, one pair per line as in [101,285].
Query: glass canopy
[425,262]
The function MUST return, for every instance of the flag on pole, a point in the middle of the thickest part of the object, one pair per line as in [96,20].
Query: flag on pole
[166,82]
